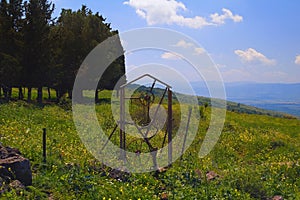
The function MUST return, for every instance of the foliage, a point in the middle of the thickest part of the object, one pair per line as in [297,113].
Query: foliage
[10,44]
[74,35]
[256,157]
[36,42]
[39,51]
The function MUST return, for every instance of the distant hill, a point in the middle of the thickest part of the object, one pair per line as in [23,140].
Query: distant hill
[234,106]
[271,96]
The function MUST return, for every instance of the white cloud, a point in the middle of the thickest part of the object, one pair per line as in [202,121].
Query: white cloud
[199,50]
[297,60]
[251,55]
[170,56]
[184,44]
[141,13]
[168,12]
[188,45]
[227,14]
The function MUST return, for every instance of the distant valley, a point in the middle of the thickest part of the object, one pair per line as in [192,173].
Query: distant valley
[271,96]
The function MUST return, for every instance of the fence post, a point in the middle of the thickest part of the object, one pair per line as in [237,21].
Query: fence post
[170,127]
[44,145]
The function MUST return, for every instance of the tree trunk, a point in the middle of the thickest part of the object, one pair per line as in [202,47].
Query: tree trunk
[9,93]
[70,94]
[40,95]
[21,95]
[5,92]
[97,96]
[0,91]
[29,94]
[57,95]
[49,93]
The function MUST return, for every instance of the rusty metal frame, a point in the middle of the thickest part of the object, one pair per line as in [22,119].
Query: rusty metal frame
[123,122]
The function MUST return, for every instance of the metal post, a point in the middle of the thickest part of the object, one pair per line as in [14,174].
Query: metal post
[122,124]
[44,145]
[170,125]
[186,131]
[109,137]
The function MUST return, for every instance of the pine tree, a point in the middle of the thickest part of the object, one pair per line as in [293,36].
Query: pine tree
[10,44]
[36,44]
[78,32]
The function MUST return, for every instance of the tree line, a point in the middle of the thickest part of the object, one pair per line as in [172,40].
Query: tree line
[38,51]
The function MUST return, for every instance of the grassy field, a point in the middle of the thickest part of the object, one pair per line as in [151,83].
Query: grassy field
[257,157]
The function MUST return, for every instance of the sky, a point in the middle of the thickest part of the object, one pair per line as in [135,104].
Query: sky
[247,40]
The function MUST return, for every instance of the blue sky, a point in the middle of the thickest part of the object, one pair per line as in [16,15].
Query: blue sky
[253,40]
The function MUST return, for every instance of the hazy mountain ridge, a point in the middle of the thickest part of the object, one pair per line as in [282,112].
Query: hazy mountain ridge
[272,96]
[234,106]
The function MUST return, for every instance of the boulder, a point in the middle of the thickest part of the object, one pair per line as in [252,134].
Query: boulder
[14,167]
[6,152]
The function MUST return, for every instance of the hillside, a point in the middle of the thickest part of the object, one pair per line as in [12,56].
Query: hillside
[271,96]
[231,106]
[257,157]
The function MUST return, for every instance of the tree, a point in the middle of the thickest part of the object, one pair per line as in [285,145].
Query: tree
[16,10]
[10,44]
[70,47]
[77,33]
[36,44]
[37,52]
[4,32]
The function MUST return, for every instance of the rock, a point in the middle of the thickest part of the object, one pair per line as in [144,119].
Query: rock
[3,187]
[6,152]
[277,197]
[161,169]
[14,167]
[119,174]
[211,175]
[164,196]
[17,185]
[199,173]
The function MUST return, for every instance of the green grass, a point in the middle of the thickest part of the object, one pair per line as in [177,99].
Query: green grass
[256,157]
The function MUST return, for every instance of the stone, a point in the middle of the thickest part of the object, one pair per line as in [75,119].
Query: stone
[211,175]
[2,181]
[6,152]
[17,185]
[164,196]
[120,174]
[161,169]
[14,167]
[277,197]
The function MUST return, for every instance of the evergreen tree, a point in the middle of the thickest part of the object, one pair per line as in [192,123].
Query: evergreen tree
[36,44]
[10,44]
[37,52]
[77,33]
